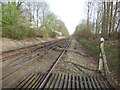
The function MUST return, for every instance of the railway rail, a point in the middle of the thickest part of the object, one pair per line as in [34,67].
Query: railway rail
[37,54]
[24,50]
[51,80]
[46,76]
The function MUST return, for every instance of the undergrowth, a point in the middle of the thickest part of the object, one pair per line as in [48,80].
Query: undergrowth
[111,51]
[17,32]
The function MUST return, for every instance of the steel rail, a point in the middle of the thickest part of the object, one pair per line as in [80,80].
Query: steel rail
[32,59]
[36,46]
[20,50]
[29,46]
[49,72]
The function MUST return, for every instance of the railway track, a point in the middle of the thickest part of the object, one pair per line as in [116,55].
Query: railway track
[46,76]
[6,55]
[34,55]
[51,80]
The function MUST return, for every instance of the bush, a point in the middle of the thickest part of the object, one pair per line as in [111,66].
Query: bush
[46,31]
[38,32]
[52,34]
[83,31]
[17,32]
[9,13]
[31,33]
[112,53]
[115,35]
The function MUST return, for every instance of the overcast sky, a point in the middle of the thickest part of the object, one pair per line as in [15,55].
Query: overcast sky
[71,12]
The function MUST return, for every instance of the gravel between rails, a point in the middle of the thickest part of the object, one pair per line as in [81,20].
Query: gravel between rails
[76,55]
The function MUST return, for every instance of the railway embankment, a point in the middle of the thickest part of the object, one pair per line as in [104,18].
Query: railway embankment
[10,44]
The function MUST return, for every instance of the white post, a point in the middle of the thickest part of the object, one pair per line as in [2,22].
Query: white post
[101,64]
[104,58]
[103,61]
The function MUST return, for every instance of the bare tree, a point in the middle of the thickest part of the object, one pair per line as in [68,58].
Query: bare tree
[111,14]
[114,16]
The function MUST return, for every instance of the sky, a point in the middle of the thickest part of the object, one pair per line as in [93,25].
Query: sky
[71,12]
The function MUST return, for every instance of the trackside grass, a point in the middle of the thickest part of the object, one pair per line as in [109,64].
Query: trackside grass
[111,50]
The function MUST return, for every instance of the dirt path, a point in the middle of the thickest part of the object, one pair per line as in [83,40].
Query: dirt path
[76,56]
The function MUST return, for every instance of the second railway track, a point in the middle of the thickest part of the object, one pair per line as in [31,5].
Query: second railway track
[33,56]
[7,55]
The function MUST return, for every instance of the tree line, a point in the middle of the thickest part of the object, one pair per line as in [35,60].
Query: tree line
[30,19]
[103,19]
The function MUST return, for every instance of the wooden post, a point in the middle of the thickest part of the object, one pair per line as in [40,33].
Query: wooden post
[101,63]
[104,57]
